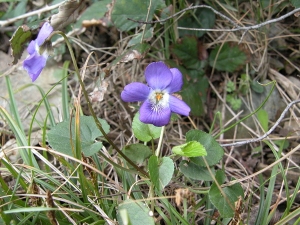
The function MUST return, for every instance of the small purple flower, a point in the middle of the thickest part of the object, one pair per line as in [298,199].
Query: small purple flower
[36,61]
[158,100]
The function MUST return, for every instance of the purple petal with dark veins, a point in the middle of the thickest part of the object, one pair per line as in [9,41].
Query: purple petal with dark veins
[135,92]
[178,106]
[158,118]
[158,75]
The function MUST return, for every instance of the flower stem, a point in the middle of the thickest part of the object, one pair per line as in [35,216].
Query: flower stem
[141,171]
[160,141]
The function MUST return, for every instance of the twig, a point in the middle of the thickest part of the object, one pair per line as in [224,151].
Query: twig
[247,28]
[184,10]
[47,8]
[269,131]
[237,27]
[264,169]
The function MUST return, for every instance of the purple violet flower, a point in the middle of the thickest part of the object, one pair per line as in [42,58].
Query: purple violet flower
[158,100]
[36,61]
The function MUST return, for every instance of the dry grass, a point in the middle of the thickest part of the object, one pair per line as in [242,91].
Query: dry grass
[264,60]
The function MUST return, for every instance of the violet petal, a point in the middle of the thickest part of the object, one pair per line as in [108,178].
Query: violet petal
[34,65]
[176,82]
[178,106]
[135,92]
[158,118]
[158,75]
[31,47]
[44,33]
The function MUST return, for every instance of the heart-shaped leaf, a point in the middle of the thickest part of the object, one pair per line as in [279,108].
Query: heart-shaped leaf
[190,149]
[60,138]
[137,152]
[225,202]
[134,212]
[228,58]
[186,50]
[196,172]
[144,132]
[161,171]
[202,18]
[214,151]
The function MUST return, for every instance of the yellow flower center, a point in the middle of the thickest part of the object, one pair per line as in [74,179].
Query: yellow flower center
[158,96]
[159,99]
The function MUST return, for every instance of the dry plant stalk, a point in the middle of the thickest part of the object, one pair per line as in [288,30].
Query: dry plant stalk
[50,204]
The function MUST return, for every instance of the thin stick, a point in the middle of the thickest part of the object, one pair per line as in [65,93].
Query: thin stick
[264,169]
[247,28]
[184,10]
[237,27]
[160,141]
[269,131]
[47,8]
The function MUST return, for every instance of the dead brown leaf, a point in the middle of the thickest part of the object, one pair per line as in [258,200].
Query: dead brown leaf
[67,13]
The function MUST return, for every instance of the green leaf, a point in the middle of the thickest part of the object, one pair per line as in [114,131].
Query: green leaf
[190,149]
[283,144]
[234,102]
[161,171]
[193,93]
[15,10]
[257,87]
[153,170]
[214,151]
[95,11]
[295,3]
[228,58]
[186,50]
[133,9]
[17,42]
[225,204]
[137,152]
[198,76]
[138,38]
[244,84]
[194,90]
[230,86]
[195,74]
[194,171]
[59,137]
[166,171]
[144,132]
[133,212]
[203,18]
[265,4]
[263,118]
